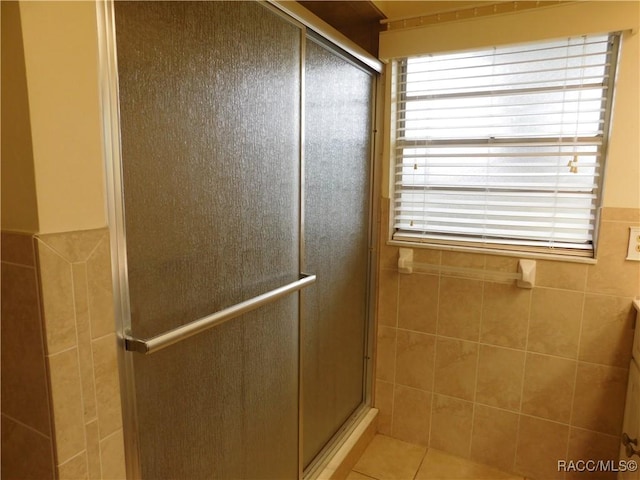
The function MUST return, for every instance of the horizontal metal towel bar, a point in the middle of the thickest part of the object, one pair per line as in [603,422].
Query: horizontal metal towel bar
[525,277]
[178,334]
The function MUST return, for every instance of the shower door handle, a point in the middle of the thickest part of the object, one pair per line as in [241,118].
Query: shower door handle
[190,329]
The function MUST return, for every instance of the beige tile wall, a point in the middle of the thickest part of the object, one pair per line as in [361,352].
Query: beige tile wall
[27,446]
[77,306]
[514,378]
[59,370]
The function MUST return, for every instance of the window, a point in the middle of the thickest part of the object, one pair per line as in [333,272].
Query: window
[504,147]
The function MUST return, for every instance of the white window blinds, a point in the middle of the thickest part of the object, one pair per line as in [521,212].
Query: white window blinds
[504,145]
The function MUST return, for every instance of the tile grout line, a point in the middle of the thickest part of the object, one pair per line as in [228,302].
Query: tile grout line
[95,248]
[395,353]
[19,265]
[524,371]
[74,457]
[375,473]
[575,375]
[505,347]
[435,358]
[79,360]
[515,412]
[93,369]
[45,350]
[475,383]
[28,427]
[424,457]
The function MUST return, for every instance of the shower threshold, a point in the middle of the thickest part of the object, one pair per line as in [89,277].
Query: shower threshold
[337,460]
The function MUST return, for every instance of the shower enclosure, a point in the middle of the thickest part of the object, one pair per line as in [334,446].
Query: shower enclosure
[239,153]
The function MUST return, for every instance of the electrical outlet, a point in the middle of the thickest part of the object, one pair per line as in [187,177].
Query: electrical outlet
[634,244]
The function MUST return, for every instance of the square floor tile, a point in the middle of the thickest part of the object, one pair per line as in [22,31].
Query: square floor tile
[438,465]
[389,459]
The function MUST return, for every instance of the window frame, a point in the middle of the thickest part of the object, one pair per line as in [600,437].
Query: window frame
[404,238]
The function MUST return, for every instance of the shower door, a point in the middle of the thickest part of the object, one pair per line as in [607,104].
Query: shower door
[210,132]
[337,166]
[223,216]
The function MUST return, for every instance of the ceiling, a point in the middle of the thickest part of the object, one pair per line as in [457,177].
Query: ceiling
[358,20]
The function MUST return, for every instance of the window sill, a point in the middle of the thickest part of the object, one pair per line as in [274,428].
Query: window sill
[494,251]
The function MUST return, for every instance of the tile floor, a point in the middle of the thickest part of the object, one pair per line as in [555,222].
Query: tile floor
[389,459]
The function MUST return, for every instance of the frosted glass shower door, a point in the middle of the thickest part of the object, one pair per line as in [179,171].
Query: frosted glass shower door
[338,126]
[210,129]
